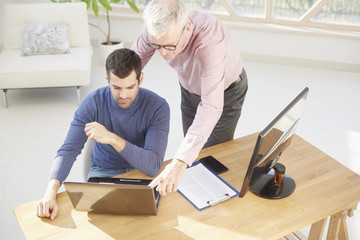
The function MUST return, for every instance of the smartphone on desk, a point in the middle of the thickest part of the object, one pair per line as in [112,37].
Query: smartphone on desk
[213,164]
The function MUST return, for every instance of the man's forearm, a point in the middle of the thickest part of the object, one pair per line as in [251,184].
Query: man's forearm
[99,133]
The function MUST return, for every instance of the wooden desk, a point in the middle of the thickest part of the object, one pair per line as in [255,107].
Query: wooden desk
[324,188]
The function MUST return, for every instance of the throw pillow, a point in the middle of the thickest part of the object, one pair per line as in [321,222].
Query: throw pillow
[45,39]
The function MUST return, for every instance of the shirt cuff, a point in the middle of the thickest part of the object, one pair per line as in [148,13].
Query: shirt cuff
[190,148]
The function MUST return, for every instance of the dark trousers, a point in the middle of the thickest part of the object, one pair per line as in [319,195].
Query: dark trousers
[224,130]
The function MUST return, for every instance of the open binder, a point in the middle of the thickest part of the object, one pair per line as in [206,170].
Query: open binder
[204,188]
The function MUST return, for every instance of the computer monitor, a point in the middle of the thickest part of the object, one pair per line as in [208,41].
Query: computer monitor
[270,144]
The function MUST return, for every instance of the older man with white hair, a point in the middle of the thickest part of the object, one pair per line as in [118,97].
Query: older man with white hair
[212,79]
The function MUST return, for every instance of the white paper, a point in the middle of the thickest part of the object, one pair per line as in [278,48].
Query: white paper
[203,188]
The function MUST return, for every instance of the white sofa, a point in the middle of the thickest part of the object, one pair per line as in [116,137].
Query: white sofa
[50,70]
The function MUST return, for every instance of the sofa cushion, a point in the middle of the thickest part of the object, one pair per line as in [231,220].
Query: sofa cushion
[45,39]
[40,71]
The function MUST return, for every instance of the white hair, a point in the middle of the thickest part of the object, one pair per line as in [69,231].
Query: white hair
[160,14]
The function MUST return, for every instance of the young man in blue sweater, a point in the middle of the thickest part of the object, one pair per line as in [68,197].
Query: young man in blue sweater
[129,125]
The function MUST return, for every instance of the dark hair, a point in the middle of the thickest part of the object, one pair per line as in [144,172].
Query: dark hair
[121,62]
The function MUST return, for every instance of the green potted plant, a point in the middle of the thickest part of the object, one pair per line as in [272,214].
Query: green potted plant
[109,45]
[106,4]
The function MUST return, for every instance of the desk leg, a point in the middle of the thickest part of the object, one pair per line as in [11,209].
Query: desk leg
[337,224]
[317,230]
[343,233]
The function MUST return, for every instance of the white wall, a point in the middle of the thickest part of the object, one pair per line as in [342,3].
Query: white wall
[256,42]
[266,45]
[2,3]
[297,45]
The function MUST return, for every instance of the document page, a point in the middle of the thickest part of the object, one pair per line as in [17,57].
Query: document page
[203,188]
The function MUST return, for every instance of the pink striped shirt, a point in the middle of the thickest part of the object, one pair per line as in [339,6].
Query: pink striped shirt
[208,63]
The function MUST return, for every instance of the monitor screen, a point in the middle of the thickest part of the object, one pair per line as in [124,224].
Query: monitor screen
[270,144]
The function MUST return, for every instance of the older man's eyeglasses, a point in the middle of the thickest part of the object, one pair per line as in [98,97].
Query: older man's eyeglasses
[166,47]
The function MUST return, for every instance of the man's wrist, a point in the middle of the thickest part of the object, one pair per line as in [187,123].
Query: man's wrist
[52,189]
[117,142]
[179,163]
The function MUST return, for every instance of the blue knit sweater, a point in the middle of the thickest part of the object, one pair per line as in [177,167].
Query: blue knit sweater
[144,126]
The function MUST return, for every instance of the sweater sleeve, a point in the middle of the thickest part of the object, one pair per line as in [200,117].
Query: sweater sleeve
[73,144]
[149,159]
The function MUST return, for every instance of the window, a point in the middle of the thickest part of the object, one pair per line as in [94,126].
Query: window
[339,15]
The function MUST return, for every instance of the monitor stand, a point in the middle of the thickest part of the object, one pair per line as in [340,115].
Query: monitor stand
[274,186]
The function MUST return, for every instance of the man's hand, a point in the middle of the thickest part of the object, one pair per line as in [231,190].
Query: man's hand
[47,206]
[169,179]
[96,131]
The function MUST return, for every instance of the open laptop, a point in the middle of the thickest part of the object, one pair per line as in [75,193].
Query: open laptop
[114,196]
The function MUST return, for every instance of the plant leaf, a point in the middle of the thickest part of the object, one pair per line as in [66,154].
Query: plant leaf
[105,4]
[132,5]
[95,7]
[88,3]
